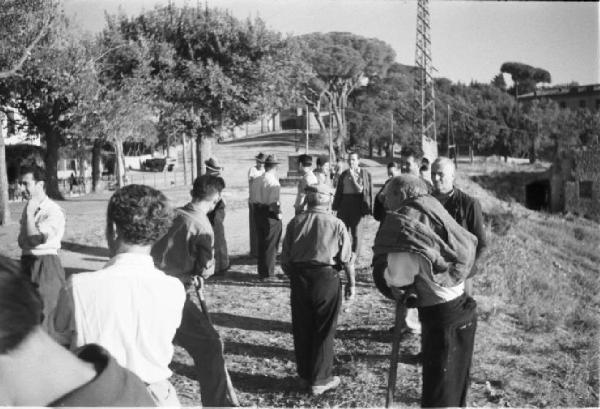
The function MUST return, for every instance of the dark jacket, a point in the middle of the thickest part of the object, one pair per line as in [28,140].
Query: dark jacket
[367,191]
[422,225]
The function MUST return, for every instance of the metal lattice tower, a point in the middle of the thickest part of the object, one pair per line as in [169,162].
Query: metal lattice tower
[424,102]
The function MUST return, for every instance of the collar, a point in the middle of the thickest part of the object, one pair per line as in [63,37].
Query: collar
[143,261]
[319,209]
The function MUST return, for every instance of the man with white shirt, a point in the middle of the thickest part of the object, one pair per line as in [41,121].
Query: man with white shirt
[129,307]
[42,228]
[308,179]
[268,218]
[429,256]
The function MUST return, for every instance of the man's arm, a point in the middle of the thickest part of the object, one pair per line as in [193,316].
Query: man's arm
[203,251]
[476,226]
[33,236]
[345,258]
[286,248]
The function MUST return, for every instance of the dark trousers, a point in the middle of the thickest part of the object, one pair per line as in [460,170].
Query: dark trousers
[48,274]
[351,213]
[221,254]
[447,339]
[200,339]
[269,234]
[252,226]
[316,296]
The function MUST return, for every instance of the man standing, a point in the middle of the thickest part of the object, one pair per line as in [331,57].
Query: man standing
[268,218]
[315,244]
[253,197]
[323,170]
[186,251]
[354,200]
[378,206]
[465,209]
[308,178]
[129,307]
[217,218]
[42,228]
[429,255]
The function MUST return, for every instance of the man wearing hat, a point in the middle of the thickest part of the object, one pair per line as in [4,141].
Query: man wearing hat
[253,190]
[316,245]
[268,218]
[308,178]
[217,218]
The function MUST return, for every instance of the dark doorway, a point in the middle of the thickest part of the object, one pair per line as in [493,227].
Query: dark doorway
[537,195]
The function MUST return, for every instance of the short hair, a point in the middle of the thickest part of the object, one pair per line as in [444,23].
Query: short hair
[142,214]
[403,187]
[411,151]
[392,165]
[38,172]
[316,199]
[353,153]
[444,161]
[206,186]
[322,160]
[269,166]
[20,310]
[305,160]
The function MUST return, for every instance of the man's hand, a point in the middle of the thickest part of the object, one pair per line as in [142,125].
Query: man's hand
[349,293]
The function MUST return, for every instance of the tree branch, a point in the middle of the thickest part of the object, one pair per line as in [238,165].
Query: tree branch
[13,71]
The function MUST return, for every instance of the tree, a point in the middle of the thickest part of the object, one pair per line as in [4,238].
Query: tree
[498,82]
[23,24]
[525,77]
[341,62]
[223,72]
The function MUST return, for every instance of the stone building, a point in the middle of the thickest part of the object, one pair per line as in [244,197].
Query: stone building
[569,96]
[575,182]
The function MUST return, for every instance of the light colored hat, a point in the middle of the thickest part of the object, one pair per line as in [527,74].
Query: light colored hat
[213,164]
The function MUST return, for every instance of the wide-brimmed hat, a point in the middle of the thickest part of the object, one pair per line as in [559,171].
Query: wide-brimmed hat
[213,164]
[271,160]
[260,157]
[305,160]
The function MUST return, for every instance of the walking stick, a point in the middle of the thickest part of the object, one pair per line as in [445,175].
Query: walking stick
[198,282]
[389,399]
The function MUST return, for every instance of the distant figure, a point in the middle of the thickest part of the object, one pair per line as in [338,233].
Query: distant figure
[268,219]
[323,171]
[128,307]
[184,252]
[315,246]
[465,209]
[429,255]
[340,167]
[42,229]
[217,218]
[72,182]
[253,198]
[36,371]
[353,200]
[308,178]
[379,203]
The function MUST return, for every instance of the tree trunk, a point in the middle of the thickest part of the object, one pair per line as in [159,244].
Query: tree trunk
[184,156]
[51,162]
[371,148]
[119,163]
[4,208]
[203,152]
[96,156]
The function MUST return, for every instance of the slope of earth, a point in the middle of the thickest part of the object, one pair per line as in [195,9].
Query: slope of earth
[537,291]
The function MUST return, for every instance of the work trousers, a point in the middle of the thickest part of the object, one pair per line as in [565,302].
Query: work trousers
[253,232]
[221,254]
[316,297]
[200,339]
[48,275]
[268,228]
[351,213]
[447,339]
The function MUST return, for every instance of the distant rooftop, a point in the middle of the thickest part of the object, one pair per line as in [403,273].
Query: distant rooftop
[562,90]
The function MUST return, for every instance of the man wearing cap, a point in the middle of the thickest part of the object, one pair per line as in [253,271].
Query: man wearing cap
[217,217]
[378,205]
[308,178]
[268,218]
[315,247]
[354,199]
[253,197]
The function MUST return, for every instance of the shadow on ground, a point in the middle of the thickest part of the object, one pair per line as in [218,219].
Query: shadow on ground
[258,351]
[84,249]
[249,323]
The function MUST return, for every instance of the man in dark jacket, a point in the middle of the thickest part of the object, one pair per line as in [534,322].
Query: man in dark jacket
[353,200]
[217,220]
[465,209]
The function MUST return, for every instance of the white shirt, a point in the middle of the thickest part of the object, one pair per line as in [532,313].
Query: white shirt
[309,178]
[269,188]
[129,307]
[403,269]
[50,221]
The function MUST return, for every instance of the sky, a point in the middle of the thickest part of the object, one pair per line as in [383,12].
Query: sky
[470,39]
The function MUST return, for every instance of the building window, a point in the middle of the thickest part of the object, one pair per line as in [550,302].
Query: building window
[585,189]
[598,104]
[563,104]
[582,103]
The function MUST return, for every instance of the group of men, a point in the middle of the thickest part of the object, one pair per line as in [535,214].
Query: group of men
[122,326]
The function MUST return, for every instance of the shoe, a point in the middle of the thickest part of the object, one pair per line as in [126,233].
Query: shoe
[320,389]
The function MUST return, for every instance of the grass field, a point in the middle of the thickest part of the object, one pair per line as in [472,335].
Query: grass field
[538,298]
